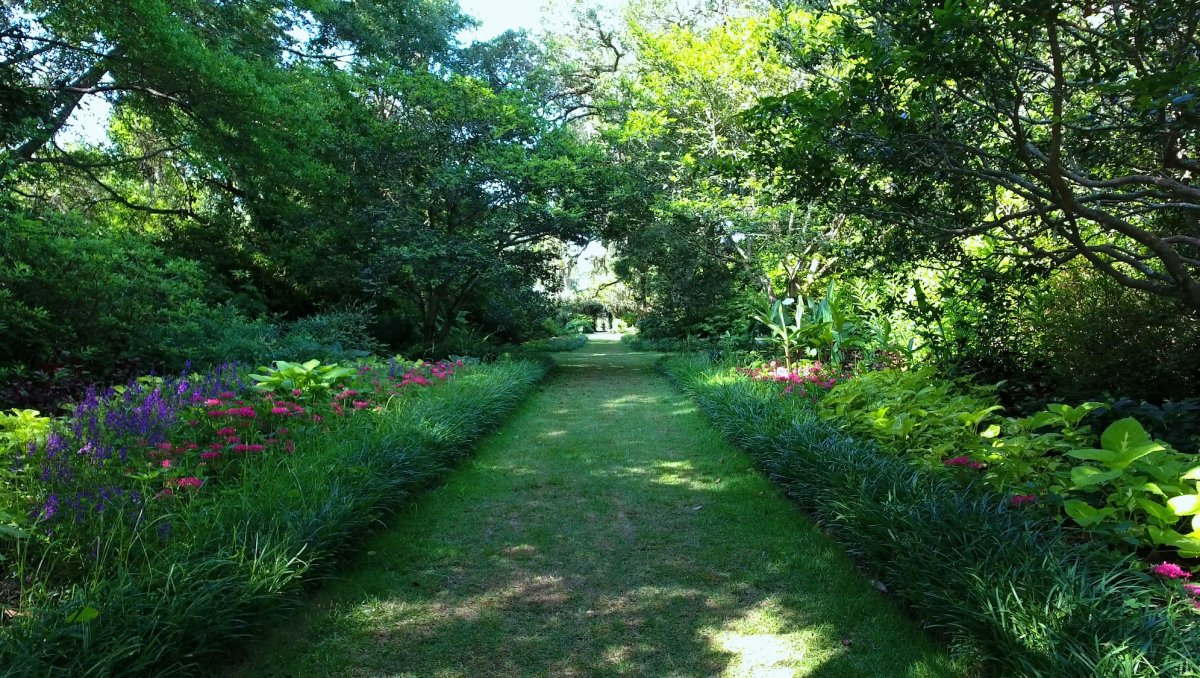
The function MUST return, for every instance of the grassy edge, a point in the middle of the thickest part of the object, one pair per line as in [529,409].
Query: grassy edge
[1007,588]
[236,566]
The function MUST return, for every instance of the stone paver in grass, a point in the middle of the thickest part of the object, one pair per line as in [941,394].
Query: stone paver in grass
[606,530]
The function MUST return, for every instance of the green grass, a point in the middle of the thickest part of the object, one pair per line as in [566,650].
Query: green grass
[607,529]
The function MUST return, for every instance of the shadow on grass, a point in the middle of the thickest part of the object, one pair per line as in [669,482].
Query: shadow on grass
[602,533]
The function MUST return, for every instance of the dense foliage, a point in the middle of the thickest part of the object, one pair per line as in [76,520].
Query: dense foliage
[198,506]
[1010,181]
[1016,592]
[265,162]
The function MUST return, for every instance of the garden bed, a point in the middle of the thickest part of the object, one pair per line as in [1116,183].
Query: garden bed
[155,555]
[1010,587]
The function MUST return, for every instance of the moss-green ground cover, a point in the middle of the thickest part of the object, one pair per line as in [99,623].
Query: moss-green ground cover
[607,529]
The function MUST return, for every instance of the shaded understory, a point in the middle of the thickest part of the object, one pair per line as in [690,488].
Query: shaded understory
[607,529]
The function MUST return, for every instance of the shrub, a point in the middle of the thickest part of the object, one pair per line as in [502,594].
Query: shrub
[580,324]
[554,344]
[1098,338]
[1008,585]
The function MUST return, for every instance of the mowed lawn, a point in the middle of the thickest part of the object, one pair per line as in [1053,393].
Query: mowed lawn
[606,530]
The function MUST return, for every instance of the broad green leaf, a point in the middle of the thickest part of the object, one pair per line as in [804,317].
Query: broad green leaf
[12,532]
[1158,511]
[1088,476]
[1132,454]
[1152,489]
[83,616]
[1193,474]
[1124,434]
[1104,456]
[1082,513]
[1185,505]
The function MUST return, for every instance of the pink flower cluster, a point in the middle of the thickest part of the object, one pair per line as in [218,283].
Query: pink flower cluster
[811,379]
[250,422]
[1173,571]
[243,412]
[1022,499]
[964,462]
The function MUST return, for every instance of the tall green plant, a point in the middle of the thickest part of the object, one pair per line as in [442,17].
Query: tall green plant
[786,331]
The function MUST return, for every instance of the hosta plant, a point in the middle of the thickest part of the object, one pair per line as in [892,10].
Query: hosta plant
[308,378]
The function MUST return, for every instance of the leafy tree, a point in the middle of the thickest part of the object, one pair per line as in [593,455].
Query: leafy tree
[1040,133]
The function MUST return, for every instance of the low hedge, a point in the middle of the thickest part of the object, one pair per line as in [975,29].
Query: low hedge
[238,560]
[555,344]
[1014,592]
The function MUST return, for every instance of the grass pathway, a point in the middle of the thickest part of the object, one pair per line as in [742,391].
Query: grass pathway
[606,530]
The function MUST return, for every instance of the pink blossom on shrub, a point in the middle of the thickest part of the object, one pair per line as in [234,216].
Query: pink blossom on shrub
[1192,589]
[1022,499]
[281,411]
[965,462]
[190,481]
[210,455]
[1171,571]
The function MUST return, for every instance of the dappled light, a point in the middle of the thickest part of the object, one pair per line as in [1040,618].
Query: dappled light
[600,337]
[621,546]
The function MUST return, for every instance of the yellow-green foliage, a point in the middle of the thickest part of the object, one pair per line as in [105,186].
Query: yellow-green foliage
[1121,484]
[19,428]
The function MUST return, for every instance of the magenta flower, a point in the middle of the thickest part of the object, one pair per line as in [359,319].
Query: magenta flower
[190,481]
[1171,571]
[281,411]
[965,462]
[1022,499]
[210,455]
[1192,589]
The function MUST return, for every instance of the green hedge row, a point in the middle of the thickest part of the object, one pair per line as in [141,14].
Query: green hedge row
[234,563]
[1014,592]
[554,344]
